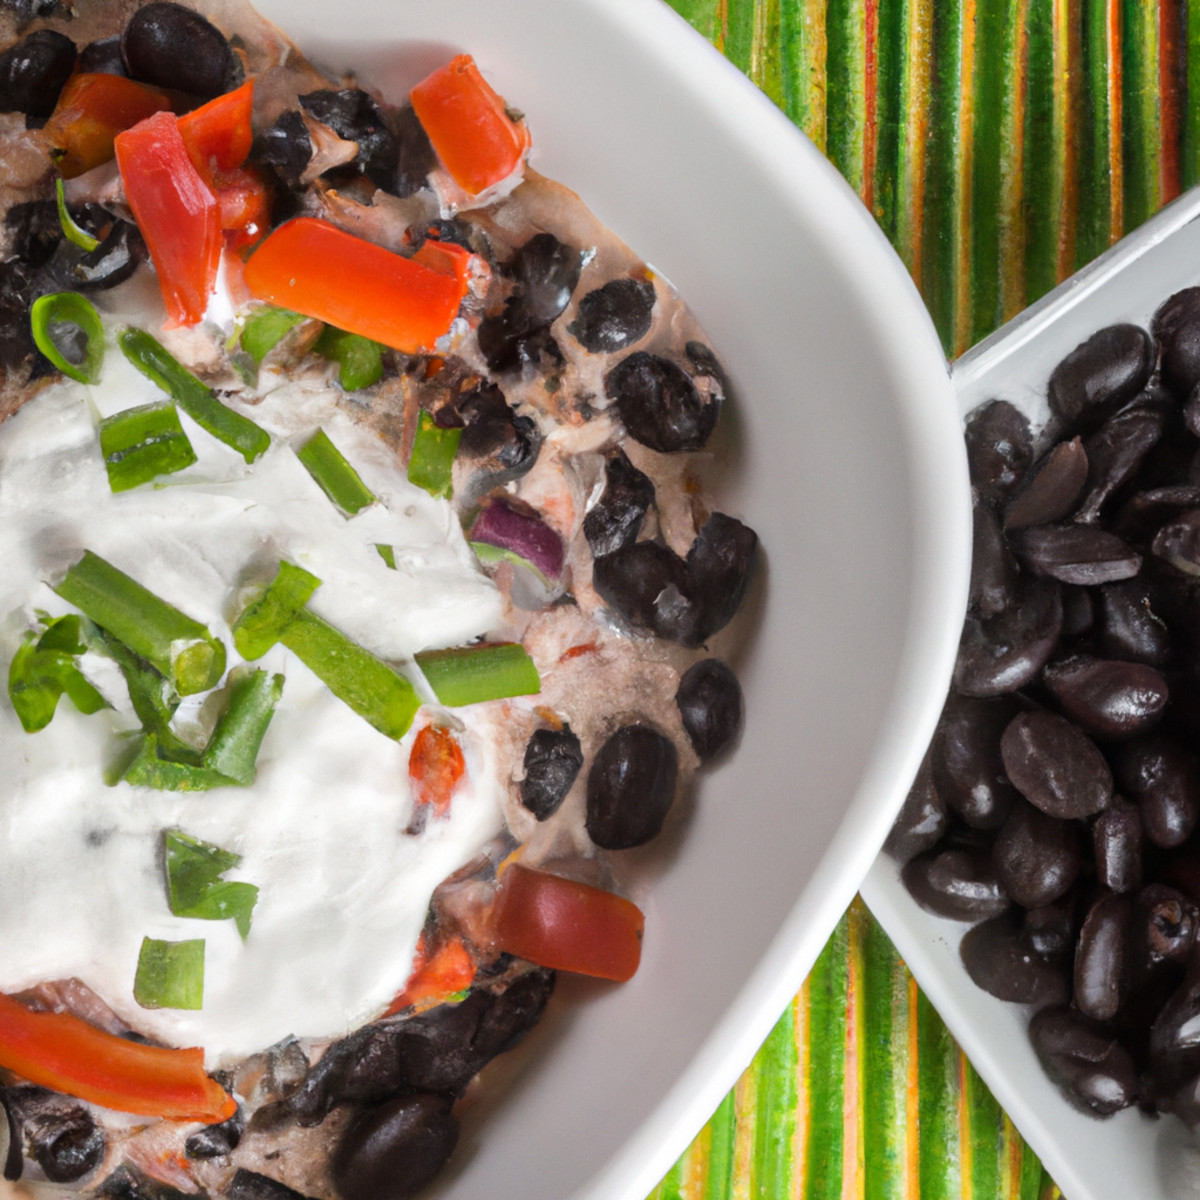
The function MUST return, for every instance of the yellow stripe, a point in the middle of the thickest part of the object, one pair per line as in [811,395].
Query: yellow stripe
[695,1166]
[964,179]
[815,83]
[918,20]
[966,1151]
[1012,168]
[800,1007]
[1067,107]
[912,1131]
[745,1099]
[853,1163]
[1116,120]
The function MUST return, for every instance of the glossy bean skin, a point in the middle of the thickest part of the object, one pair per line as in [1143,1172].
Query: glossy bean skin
[546,272]
[994,574]
[1169,922]
[630,787]
[1129,626]
[356,116]
[957,883]
[1103,956]
[922,818]
[1174,1045]
[1092,1069]
[615,316]
[652,588]
[1037,857]
[1055,766]
[167,45]
[999,958]
[1052,487]
[1004,653]
[1117,839]
[1177,542]
[999,449]
[967,765]
[709,699]
[1164,780]
[659,404]
[1116,450]
[216,1141]
[33,71]
[1108,698]
[553,759]
[1078,554]
[56,1132]
[616,518]
[720,563]
[1107,369]
[253,1185]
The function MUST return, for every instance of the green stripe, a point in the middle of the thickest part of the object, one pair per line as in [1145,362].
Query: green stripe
[1191,97]
[704,16]
[775,1110]
[1012,165]
[1142,128]
[1042,197]
[722,1135]
[670,1187]
[847,114]
[938,1059]
[1095,174]
[885,1076]
[765,58]
[824,1148]
[889,113]
[985,1123]
[802,66]
[739,33]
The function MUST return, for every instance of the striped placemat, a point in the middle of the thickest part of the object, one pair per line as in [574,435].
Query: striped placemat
[1000,144]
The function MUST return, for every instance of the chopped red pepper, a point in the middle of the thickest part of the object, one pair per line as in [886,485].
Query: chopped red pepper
[176,211]
[435,769]
[436,973]
[218,134]
[91,111]
[476,140]
[449,258]
[316,269]
[245,204]
[59,1051]
[567,925]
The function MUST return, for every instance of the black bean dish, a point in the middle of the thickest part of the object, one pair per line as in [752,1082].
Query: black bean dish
[1057,808]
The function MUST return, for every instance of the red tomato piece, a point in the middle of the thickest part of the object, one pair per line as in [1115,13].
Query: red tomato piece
[62,1052]
[218,134]
[314,268]
[476,140]
[567,925]
[244,202]
[176,211]
[447,969]
[435,769]
[448,258]
[91,111]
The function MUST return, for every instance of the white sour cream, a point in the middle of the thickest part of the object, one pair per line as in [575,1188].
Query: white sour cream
[343,890]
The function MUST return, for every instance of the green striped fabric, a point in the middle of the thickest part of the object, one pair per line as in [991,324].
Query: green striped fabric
[1000,144]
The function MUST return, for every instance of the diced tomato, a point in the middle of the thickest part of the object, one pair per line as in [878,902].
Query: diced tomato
[435,769]
[314,268]
[218,134]
[476,140]
[436,973]
[176,211]
[567,925]
[91,111]
[59,1051]
[448,258]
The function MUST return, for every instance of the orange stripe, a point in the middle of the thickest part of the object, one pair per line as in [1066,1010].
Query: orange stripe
[912,1127]
[801,1011]
[965,1149]
[852,1131]
[1170,87]
[1012,179]
[1068,75]
[870,99]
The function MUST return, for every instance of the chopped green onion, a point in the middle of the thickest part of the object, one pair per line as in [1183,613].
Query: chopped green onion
[71,231]
[360,360]
[194,884]
[198,401]
[43,669]
[143,443]
[181,648]
[379,694]
[489,555]
[67,330]
[387,553]
[472,674]
[432,461]
[170,974]
[233,748]
[151,768]
[335,476]
[266,328]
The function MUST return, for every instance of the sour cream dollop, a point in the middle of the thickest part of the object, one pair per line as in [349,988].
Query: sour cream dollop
[343,889]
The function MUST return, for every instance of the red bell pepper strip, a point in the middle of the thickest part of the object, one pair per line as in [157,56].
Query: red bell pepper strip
[436,973]
[91,111]
[218,134]
[314,268]
[476,140]
[59,1051]
[450,259]
[244,202]
[567,925]
[176,211]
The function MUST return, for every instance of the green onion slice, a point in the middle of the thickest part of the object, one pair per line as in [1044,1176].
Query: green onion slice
[360,360]
[71,231]
[263,622]
[432,461]
[473,674]
[170,974]
[490,555]
[198,401]
[194,884]
[387,553]
[45,668]
[232,750]
[142,443]
[335,476]
[68,331]
[180,648]
[266,328]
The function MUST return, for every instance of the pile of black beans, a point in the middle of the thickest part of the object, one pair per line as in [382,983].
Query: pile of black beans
[1057,808]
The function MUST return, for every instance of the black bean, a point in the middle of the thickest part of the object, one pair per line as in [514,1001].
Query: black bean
[1051,488]
[958,883]
[967,767]
[286,146]
[1079,554]
[129,1183]
[1112,366]
[999,958]
[58,1133]
[1094,1071]
[1146,511]
[1178,542]
[1102,957]
[999,448]
[1169,921]
[720,563]
[615,316]
[392,1152]
[994,573]
[1128,625]
[102,57]
[651,587]
[357,117]
[492,430]
[515,338]
[659,404]
[1181,355]
[1117,846]
[553,758]
[1174,1047]
[1055,766]
[1051,931]
[1164,780]
[705,365]
[415,155]
[631,787]
[1177,307]
[709,700]
[216,1141]
[616,518]
[546,271]
[32,72]
[167,45]
[1116,450]
[251,1185]
[1079,613]
[1037,857]
[1107,697]
[1004,653]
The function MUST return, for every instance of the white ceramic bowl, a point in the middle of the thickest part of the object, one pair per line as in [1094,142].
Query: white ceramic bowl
[846,459]
[1129,1156]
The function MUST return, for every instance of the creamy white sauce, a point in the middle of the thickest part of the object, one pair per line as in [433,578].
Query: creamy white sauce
[343,889]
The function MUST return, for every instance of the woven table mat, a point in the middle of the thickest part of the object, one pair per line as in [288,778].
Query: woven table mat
[1000,144]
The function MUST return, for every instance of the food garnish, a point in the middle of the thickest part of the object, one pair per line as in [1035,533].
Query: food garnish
[140,444]
[432,461]
[194,884]
[170,974]
[68,331]
[472,674]
[335,476]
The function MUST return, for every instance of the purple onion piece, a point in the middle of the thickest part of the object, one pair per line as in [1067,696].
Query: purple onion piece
[523,532]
